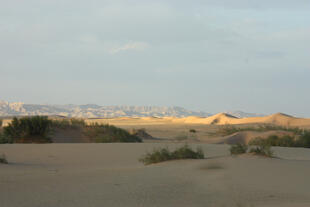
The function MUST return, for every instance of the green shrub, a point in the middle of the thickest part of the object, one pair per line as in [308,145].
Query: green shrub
[186,152]
[4,139]
[68,123]
[304,140]
[28,129]
[192,130]
[262,149]
[274,140]
[238,149]
[109,133]
[231,129]
[1,122]
[164,154]
[286,141]
[3,159]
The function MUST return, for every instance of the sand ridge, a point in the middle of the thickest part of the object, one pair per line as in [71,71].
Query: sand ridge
[218,119]
[79,175]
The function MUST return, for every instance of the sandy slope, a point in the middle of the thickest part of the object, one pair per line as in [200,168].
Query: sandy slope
[218,119]
[79,175]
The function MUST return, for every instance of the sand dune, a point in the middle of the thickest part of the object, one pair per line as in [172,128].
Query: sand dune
[218,119]
[79,175]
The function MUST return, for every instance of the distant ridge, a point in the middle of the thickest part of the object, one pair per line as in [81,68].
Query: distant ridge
[94,111]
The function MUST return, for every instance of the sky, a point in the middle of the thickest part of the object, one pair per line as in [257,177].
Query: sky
[209,55]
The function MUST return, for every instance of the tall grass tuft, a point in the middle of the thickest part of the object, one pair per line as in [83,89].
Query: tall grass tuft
[109,133]
[164,154]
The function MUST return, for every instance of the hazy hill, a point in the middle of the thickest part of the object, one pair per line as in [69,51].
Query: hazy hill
[93,111]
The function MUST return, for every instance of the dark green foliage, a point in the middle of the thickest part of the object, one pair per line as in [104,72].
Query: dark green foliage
[238,149]
[274,140]
[28,129]
[164,154]
[68,123]
[108,133]
[1,122]
[259,149]
[192,131]
[304,140]
[186,152]
[4,139]
[262,149]
[230,129]
[3,159]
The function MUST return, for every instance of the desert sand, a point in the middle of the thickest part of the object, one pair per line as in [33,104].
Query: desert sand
[218,119]
[73,175]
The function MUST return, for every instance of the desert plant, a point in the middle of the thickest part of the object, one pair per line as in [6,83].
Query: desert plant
[109,133]
[164,154]
[304,140]
[274,140]
[4,139]
[185,152]
[192,130]
[28,129]
[262,149]
[231,129]
[68,123]
[1,122]
[3,159]
[238,149]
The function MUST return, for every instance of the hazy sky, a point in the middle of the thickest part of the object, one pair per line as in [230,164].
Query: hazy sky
[211,55]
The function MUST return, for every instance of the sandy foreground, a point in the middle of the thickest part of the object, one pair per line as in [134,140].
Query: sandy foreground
[80,175]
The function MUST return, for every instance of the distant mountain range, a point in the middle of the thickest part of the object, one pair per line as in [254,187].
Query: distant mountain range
[95,111]
[241,114]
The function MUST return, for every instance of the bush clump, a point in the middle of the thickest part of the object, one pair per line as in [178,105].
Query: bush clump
[238,149]
[231,129]
[164,154]
[109,133]
[303,140]
[3,159]
[72,123]
[28,130]
[262,149]
[274,140]
[259,149]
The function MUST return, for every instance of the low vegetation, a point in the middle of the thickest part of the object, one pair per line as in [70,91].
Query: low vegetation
[303,140]
[274,140]
[262,149]
[230,129]
[3,159]
[109,133]
[39,129]
[259,149]
[27,130]
[72,123]
[238,149]
[1,123]
[284,141]
[164,154]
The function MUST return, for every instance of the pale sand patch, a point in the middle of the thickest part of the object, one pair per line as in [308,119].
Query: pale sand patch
[79,175]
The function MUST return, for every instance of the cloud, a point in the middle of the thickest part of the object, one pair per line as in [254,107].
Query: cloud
[138,46]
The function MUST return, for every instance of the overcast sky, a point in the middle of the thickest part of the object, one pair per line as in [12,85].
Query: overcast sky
[211,55]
